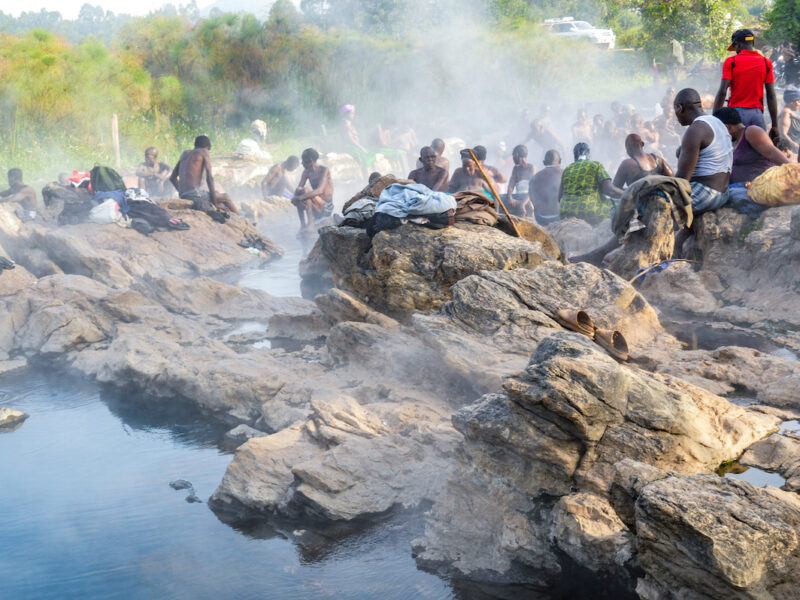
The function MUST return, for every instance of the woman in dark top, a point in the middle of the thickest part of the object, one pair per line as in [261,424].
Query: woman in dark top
[753,153]
[639,164]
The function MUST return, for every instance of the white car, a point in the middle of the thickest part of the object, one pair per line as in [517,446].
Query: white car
[566,27]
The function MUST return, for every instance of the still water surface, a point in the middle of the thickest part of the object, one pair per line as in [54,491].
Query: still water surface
[87,512]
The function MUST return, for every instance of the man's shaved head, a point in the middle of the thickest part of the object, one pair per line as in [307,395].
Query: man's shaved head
[687,97]
[438,146]
[688,106]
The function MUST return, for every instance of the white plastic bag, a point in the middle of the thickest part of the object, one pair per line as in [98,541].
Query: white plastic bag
[105,213]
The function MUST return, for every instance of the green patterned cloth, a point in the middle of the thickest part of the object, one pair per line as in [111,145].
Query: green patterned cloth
[580,195]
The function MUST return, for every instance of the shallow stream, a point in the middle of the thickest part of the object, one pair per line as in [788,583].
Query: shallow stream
[88,512]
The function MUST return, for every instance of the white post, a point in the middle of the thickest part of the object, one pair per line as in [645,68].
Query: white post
[115,138]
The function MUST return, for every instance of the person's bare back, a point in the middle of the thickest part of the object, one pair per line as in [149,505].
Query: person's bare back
[191,167]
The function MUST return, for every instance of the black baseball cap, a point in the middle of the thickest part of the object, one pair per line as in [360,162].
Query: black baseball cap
[739,36]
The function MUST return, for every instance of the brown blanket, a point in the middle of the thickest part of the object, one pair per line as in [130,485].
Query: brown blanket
[475,207]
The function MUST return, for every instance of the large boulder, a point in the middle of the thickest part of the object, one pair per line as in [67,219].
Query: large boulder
[539,464]
[411,269]
[710,537]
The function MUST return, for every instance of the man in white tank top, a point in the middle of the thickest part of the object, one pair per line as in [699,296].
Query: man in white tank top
[706,153]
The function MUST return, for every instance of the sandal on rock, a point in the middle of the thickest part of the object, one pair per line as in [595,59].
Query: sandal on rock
[576,320]
[178,224]
[612,342]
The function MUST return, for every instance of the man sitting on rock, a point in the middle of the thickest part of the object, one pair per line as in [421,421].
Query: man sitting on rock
[466,178]
[276,182]
[586,188]
[705,159]
[17,191]
[152,174]
[311,204]
[429,174]
[187,177]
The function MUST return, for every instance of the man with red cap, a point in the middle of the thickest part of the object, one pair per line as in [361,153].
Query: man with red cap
[747,75]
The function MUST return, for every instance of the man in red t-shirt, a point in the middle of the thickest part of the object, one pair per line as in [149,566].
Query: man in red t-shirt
[747,75]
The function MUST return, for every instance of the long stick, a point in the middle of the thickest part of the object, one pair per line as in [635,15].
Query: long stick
[115,138]
[651,267]
[494,192]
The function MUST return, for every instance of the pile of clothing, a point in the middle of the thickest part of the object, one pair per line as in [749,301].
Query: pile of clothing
[630,211]
[475,207]
[412,203]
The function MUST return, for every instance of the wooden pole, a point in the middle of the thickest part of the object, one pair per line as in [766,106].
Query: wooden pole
[115,138]
[494,192]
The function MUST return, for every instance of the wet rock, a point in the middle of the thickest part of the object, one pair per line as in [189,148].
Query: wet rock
[795,223]
[180,484]
[241,433]
[711,537]
[412,268]
[588,530]
[9,366]
[192,497]
[340,306]
[777,453]
[10,418]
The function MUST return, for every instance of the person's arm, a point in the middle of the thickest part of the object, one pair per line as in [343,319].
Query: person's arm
[722,94]
[209,176]
[762,144]
[512,183]
[772,106]
[299,193]
[174,177]
[665,168]
[440,182]
[690,149]
[164,172]
[622,174]
[561,189]
[609,189]
[784,123]
[452,186]
[323,182]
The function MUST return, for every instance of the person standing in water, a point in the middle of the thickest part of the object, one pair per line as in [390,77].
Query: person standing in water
[789,121]
[152,174]
[518,198]
[544,188]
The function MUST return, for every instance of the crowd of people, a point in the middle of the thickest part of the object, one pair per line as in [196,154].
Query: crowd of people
[718,153]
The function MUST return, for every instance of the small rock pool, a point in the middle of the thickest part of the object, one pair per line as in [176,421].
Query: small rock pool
[87,512]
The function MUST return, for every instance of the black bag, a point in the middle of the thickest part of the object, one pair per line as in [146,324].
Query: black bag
[106,179]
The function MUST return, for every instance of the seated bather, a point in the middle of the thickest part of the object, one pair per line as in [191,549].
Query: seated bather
[467,177]
[753,153]
[586,188]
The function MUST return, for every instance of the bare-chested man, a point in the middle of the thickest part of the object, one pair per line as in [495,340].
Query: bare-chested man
[438,147]
[152,174]
[187,177]
[518,200]
[493,172]
[544,136]
[429,174]
[19,192]
[311,203]
[544,189]
[276,183]
[467,177]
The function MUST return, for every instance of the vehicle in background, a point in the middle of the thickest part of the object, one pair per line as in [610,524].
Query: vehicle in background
[569,28]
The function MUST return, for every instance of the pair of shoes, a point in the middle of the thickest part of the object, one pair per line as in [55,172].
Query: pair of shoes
[611,340]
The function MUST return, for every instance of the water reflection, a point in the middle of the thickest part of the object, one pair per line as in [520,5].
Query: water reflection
[89,513]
